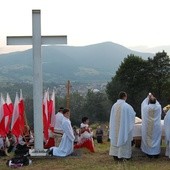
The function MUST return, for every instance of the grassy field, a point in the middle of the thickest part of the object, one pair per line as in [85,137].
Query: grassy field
[100,160]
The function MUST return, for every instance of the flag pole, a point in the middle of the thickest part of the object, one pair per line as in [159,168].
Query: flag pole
[25,117]
[68,95]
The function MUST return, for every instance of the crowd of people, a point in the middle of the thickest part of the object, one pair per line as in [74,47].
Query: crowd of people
[68,138]
[64,138]
[20,145]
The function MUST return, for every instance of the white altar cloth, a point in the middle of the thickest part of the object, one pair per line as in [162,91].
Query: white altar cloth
[137,130]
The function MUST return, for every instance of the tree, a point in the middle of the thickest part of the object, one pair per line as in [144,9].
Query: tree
[97,106]
[113,87]
[159,76]
[77,108]
[131,77]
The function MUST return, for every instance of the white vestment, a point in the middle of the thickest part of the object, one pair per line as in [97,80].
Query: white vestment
[122,120]
[58,121]
[167,133]
[151,127]
[87,134]
[67,142]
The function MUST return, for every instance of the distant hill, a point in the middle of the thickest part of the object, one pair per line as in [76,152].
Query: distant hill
[93,63]
[154,50]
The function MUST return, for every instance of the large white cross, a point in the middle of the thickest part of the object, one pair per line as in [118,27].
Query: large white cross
[37,40]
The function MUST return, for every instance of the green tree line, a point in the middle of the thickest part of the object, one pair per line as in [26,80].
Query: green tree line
[138,77]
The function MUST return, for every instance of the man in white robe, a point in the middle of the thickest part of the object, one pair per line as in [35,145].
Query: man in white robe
[167,132]
[151,126]
[122,120]
[67,142]
[58,131]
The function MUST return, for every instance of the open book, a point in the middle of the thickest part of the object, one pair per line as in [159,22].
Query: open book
[138,120]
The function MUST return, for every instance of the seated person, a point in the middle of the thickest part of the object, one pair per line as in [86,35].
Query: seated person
[28,136]
[3,146]
[76,134]
[12,141]
[22,147]
[99,134]
[86,136]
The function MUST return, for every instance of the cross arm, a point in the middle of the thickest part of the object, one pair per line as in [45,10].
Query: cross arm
[27,40]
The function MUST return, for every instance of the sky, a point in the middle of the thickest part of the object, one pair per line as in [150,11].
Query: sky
[129,23]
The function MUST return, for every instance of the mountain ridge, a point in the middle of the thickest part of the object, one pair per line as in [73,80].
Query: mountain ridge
[96,62]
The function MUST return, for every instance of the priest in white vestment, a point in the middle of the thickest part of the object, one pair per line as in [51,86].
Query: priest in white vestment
[122,120]
[167,132]
[151,126]
[67,142]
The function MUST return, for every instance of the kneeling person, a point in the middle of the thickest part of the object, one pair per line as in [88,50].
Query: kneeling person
[67,142]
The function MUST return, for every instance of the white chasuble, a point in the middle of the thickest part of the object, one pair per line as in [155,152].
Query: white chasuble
[67,142]
[151,127]
[149,132]
[122,119]
[117,121]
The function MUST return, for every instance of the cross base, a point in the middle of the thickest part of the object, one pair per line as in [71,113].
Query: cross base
[37,153]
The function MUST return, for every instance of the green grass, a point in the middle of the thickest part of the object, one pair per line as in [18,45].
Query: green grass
[100,160]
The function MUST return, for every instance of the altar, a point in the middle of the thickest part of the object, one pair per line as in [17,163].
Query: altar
[137,133]
[137,130]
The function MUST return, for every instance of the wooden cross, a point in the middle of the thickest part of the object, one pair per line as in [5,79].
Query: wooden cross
[37,41]
[68,95]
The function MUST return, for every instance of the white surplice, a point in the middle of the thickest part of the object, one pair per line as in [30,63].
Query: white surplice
[122,120]
[151,127]
[58,121]
[167,133]
[67,142]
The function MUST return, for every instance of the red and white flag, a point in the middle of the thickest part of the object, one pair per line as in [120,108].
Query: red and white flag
[48,106]
[22,111]
[2,116]
[52,103]
[9,103]
[8,112]
[16,122]
[45,116]
[2,102]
